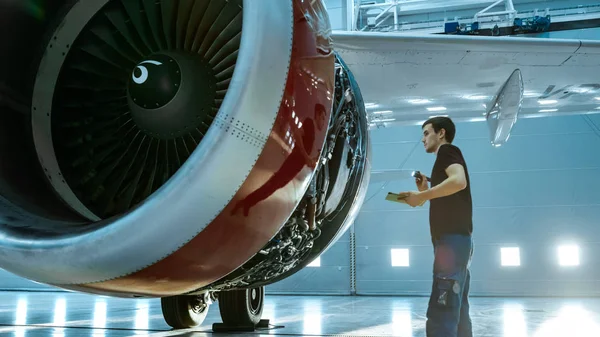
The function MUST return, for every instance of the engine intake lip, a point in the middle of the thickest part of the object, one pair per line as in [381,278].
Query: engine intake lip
[170,217]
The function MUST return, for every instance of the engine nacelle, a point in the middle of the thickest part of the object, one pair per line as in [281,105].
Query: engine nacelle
[180,147]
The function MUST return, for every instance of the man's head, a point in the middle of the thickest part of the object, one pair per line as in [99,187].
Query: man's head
[437,131]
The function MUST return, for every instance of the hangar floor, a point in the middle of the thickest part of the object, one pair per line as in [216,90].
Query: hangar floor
[57,314]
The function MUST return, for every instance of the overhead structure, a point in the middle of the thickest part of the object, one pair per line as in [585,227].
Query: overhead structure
[487,18]
[509,10]
[384,11]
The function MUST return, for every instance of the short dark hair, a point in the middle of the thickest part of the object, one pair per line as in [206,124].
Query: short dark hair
[440,122]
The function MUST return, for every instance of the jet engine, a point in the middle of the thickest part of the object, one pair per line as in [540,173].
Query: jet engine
[186,150]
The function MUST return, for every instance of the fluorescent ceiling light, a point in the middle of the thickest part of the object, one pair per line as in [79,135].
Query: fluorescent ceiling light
[477,119]
[547,101]
[371,105]
[548,110]
[580,90]
[437,108]
[419,101]
[597,98]
[384,120]
[383,112]
[475,97]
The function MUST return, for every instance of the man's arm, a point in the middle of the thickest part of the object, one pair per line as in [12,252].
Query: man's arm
[456,182]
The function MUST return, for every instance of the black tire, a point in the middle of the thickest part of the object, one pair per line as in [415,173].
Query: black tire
[242,307]
[182,312]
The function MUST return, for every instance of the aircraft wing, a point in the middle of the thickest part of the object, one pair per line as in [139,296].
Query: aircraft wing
[405,79]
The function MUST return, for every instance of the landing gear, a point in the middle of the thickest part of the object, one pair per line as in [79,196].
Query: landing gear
[182,312]
[241,310]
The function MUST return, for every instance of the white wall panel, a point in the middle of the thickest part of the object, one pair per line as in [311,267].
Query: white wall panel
[536,192]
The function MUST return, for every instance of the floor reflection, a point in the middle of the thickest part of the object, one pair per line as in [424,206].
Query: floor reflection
[402,324]
[571,321]
[311,321]
[142,320]
[72,314]
[514,320]
[99,317]
[60,314]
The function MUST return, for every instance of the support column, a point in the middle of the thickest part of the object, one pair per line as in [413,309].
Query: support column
[352,260]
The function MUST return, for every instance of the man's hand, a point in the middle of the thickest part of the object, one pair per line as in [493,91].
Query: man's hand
[421,182]
[413,198]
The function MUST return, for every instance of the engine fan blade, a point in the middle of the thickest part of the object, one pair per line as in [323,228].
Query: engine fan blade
[103,108]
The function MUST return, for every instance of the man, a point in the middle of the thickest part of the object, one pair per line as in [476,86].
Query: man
[451,226]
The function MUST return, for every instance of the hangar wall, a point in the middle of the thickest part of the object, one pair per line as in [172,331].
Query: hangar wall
[536,193]
[340,13]
[10,281]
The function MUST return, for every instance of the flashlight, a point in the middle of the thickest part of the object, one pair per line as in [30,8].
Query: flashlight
[417,174]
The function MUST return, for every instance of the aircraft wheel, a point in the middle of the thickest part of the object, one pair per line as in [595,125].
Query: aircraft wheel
[181,312]
[242,307]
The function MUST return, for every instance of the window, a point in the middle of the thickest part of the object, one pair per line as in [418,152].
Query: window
[509,256]
[568,255]
[315,263]
[400,258]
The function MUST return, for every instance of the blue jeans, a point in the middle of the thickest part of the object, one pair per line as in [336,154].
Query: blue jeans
[448,311]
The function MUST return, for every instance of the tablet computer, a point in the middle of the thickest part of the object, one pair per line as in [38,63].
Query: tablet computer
[395,197]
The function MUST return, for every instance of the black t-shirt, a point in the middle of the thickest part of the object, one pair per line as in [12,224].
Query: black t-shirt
[452,214]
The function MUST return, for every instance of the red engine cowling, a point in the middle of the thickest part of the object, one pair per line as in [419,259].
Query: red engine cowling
[187,146]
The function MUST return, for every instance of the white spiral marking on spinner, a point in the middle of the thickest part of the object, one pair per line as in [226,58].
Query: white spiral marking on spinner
[144,76]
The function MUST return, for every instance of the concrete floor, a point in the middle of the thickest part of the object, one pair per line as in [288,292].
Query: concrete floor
[71,314]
